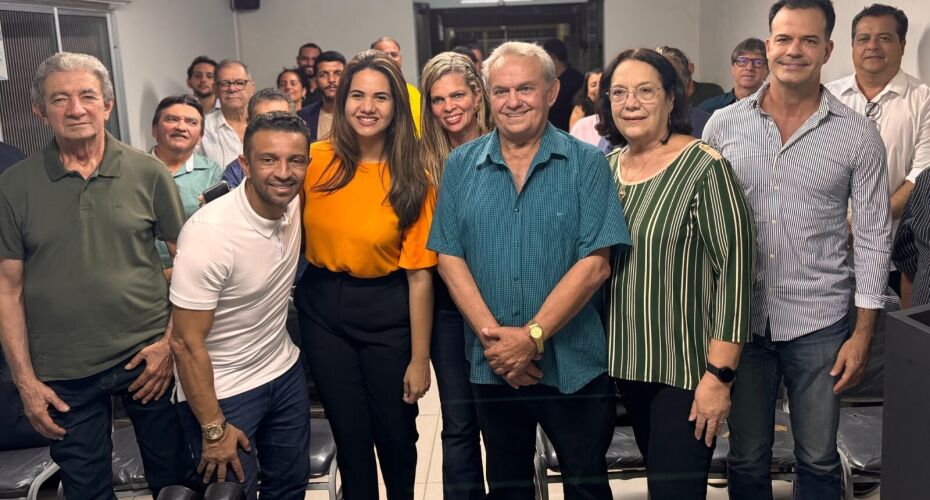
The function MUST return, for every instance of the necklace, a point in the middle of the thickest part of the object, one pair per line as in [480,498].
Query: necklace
[629,181]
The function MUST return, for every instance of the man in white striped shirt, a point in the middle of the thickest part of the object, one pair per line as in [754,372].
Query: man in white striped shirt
[803,157]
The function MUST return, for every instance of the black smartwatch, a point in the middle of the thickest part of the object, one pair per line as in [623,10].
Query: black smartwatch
[725,374]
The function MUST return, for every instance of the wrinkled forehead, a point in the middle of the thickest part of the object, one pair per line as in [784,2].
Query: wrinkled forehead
[181,110]
[232,72]
[515,69]
[387,46]
[77,80]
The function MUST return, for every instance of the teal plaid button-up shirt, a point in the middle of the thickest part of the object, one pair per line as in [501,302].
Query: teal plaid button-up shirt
[519,245]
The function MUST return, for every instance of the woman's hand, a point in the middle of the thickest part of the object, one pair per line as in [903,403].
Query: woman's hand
[710,407]
[416,381]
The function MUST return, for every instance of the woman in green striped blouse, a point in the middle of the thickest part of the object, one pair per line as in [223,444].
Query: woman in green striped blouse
[679,311]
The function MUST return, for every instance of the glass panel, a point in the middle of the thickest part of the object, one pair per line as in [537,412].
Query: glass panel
[89,35]
[28,38]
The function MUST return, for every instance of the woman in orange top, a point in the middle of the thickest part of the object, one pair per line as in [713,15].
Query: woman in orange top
[366,300]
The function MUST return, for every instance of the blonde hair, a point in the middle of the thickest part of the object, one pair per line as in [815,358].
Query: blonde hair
[435,143]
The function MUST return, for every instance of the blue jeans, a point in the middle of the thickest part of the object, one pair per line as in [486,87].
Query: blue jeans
[805,365]
[84,455]
[276,418]
[462,474]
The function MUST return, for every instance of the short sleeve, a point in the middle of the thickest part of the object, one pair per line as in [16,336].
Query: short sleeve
[12,245]
[201,267]
[169,210]
[413,251]
[444,234]
[601,223]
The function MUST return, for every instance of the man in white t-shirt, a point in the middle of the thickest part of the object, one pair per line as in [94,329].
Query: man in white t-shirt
[242,382]
[897,102]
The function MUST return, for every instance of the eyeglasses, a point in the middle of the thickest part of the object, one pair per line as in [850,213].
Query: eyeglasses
[232,84]
[644,95]
[743,61]
[872,110]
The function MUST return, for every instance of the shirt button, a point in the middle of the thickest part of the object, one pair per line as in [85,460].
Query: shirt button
[776,188]
[773,221]
[516,313]
[771,256]
[516,210]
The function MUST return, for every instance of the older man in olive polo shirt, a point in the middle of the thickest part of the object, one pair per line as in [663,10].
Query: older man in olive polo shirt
[83,301]
[524,225]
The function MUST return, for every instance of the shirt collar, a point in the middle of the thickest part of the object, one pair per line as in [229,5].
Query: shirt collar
[189,166]
[552,144]
[109,165]
[828,102]
[261,225]
[898,85]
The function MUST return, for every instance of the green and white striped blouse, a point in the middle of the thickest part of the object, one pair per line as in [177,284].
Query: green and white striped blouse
[689,275]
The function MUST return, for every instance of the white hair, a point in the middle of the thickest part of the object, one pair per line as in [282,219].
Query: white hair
[66,62]
[520,49]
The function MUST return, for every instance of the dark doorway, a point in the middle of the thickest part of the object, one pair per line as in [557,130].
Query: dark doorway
[579,25]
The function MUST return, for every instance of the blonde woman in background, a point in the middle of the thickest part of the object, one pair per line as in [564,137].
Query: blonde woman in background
[455,111]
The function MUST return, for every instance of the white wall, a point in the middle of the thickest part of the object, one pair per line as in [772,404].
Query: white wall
[724,23]
[157,39]
[270,36]
[630,24]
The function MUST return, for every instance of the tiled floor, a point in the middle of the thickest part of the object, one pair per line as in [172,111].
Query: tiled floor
[429,467]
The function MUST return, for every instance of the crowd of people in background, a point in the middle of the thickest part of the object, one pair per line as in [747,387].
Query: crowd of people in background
[544,238]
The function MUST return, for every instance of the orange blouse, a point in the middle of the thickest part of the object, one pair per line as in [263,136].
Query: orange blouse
[354,229]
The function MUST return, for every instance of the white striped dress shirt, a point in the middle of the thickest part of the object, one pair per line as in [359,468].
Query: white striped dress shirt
[800,192]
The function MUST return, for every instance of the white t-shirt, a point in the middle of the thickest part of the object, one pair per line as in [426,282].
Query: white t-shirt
[241,265]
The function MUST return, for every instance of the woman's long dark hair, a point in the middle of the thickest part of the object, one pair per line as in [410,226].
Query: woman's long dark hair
[409,183]
[679,119]
[581,99]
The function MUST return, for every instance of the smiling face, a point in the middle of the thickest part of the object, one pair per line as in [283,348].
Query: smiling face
[594,82]
[276,165]
[638,121]
[290,84]
[178,129]
[877,49]
[454,104]
[520,97]
[749,77]
[798,47]
[369,105]
[75,109]
[306,58]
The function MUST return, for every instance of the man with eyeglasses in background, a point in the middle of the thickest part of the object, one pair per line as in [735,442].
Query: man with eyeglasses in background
[223,131]
[896,101]
[749,68]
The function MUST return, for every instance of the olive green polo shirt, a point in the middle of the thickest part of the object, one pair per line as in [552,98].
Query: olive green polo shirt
[93,288]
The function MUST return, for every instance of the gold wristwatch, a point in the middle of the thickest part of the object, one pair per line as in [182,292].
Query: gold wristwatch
[536,334]
[214,431]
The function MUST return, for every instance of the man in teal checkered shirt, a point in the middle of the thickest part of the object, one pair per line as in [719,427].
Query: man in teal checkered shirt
[524,226]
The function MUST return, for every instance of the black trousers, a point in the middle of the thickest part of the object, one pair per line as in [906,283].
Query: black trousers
[579,425]
[356,335]
[676,462]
